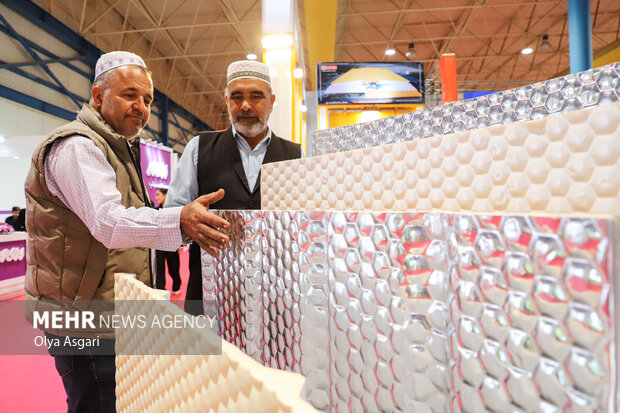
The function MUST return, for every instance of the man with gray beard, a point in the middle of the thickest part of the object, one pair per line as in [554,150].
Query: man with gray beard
[231,158]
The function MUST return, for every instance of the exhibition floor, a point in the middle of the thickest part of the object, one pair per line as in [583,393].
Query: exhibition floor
[31,384]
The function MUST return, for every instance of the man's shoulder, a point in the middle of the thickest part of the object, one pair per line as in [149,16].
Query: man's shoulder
[285,142]
[71,129]
[281,150]
[209,138]
[213,134]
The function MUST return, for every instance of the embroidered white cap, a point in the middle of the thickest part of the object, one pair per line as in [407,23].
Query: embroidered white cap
[247,69]
[113,60]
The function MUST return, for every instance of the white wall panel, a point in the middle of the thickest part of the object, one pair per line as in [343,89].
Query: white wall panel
[23,129]
[20,120]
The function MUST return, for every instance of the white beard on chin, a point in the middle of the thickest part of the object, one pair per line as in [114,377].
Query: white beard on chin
[249,129]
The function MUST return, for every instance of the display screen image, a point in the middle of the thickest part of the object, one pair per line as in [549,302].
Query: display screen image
[370,83]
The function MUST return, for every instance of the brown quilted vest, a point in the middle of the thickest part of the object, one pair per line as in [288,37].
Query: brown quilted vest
[65,262]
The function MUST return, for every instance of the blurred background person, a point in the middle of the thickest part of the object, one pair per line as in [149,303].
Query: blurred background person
[163,257]
[17,219]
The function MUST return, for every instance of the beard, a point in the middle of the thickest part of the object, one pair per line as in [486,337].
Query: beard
[249,128]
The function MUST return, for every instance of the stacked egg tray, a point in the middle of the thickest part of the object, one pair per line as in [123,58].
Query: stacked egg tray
[473,271]
[202,375]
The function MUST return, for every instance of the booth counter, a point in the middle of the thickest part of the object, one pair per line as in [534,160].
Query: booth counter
[12,264]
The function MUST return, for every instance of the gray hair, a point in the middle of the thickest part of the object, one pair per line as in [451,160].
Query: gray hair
[105,80]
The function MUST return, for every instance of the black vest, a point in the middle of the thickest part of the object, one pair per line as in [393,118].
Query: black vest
[220,166]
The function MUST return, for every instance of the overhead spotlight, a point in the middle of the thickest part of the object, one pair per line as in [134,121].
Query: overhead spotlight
[545,45]
[277,41]
[390,52]
[411,53]
[251,56]
[527,50]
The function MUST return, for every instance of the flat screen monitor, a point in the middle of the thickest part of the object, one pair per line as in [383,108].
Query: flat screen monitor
[370,83]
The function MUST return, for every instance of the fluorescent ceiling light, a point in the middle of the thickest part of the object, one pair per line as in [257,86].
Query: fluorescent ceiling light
[390,52]
[251,56]
[527,50]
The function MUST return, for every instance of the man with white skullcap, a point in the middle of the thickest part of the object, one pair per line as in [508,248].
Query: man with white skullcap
[231,158]
[88,217]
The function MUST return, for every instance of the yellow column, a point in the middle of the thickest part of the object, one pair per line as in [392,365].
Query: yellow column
[320,33]
[279,56]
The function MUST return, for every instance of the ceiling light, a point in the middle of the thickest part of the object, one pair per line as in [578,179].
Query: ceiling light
[303,108]
[411,53]
[277,41]
[298,73]
[2,139]
[527,50]
[251,56]
[16,157]
[390,52]
[545,45]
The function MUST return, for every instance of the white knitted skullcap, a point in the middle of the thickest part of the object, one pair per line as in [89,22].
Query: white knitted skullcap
[117,59]
[247,69]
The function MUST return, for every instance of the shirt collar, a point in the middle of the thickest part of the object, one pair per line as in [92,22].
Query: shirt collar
[241,140]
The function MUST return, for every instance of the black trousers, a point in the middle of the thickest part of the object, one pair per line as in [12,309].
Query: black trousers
[88,378]
[193,294]
[172,257]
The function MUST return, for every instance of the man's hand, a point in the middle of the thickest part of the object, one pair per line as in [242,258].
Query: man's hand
[201,225]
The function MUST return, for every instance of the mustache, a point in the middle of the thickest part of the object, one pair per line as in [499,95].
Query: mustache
[137,114]
[247,114]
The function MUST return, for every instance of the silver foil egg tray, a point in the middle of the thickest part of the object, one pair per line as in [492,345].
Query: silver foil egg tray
[424,312]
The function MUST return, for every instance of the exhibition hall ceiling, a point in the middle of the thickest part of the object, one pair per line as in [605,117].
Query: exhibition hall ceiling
[189,43]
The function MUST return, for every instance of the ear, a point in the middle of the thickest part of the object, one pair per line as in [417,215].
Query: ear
[97,93]
[273,99]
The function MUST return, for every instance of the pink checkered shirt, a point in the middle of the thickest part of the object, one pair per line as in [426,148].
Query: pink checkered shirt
[77,172]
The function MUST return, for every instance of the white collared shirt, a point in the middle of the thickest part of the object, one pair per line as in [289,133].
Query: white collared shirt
[252,159]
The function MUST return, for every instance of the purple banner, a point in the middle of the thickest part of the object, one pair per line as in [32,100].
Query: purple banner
[12,259]
[155,165]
